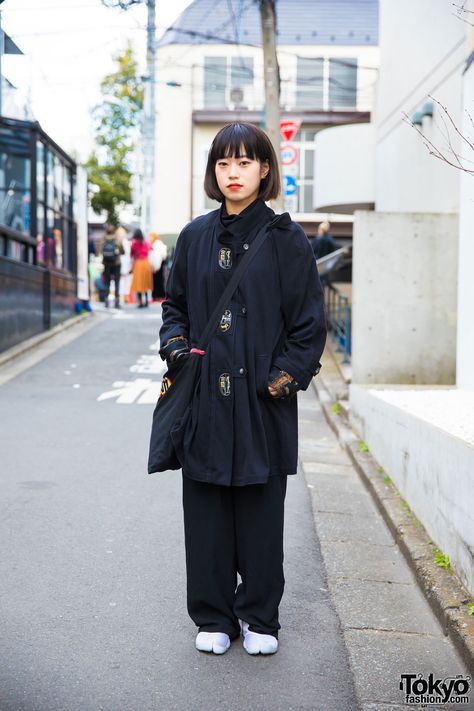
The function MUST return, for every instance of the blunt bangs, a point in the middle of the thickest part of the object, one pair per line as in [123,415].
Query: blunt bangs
[238,139]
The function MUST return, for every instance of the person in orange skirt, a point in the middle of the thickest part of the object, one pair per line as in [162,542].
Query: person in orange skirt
[142,279]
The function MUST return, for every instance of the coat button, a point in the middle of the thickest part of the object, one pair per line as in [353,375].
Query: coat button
[244,310]
[241,371]
[246,246]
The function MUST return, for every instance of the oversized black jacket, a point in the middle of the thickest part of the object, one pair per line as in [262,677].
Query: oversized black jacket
[243,435]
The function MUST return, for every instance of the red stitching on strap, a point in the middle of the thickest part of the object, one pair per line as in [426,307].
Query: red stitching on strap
[198,351]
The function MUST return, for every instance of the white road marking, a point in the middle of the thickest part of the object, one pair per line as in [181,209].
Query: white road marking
[141,391]
[151,365]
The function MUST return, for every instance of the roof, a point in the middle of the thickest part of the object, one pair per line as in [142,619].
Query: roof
[299,22]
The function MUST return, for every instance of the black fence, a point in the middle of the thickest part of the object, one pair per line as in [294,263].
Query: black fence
[339,314]
[32,299]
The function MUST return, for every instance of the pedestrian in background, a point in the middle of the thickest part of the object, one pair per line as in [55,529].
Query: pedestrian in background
[125,264]
[158,254]
[324,243]
[244,442]
[142,274]
[111,249]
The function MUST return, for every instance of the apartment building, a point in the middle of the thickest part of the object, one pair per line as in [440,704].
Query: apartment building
[210,72]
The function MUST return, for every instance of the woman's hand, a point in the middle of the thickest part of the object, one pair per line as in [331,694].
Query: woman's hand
[281,385]
[176,349]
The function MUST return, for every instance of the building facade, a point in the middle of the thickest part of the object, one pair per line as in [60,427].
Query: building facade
[210,72]
[412,390]
[38,231]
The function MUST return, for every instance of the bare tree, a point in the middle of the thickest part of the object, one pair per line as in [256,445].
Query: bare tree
[122,4]
[463,14]
[452,133]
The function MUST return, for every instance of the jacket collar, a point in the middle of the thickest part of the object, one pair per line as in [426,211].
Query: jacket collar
[231,227]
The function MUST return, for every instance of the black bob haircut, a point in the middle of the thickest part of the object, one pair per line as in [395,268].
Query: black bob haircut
[256,145]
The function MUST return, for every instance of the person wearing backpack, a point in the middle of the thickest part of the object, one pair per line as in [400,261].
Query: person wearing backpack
[112,249]
[243,443]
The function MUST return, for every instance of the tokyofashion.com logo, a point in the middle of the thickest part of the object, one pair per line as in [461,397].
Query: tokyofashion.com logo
[418,690]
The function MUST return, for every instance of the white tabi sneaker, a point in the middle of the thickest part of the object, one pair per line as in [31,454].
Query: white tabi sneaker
[256,643]
[215,642]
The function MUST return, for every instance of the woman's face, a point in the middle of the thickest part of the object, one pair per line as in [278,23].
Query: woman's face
[239,178]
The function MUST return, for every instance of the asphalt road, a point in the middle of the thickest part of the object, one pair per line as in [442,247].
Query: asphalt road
[92,578]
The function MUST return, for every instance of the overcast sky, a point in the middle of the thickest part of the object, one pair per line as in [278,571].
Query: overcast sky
[68,45]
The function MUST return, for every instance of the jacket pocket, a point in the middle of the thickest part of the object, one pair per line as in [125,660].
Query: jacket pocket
[262,370]
[178,434]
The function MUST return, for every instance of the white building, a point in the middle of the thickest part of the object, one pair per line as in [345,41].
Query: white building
[412,392]
[209,72]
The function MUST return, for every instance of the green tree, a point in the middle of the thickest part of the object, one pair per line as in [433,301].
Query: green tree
[116,121]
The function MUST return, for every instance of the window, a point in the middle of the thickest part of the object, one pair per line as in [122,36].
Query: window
[302,200]
[309,83]
[224,77]
[327,84]
[342,83]
[54,215]
[40,170]
[241,71]
[15,166]
[215,75]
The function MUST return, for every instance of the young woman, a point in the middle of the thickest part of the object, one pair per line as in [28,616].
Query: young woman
[267,346]
[142,279]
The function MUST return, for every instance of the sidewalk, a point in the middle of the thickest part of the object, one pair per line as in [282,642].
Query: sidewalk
[388,627]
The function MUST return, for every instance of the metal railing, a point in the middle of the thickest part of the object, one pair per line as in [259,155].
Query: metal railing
[338,314]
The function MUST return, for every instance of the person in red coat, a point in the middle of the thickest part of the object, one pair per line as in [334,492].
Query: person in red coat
[142,279]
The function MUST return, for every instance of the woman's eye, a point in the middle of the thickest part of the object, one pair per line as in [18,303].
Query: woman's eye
[245,162]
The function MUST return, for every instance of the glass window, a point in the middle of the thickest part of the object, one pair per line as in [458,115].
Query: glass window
[342,83]
[215,80]
[308,202]
[49,178]
[67,192]
[309,82]
[308,163]
[58,184]
[241,71]
[15,166]
[40,187]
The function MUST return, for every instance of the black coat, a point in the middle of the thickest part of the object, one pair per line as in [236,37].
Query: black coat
[276,317]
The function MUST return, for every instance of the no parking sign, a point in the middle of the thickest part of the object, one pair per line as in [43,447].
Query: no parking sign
[289,154]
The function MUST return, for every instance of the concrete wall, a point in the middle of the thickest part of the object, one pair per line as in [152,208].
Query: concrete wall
[351,148]
[431,468]
[404,298]
[465,342]
[421,53]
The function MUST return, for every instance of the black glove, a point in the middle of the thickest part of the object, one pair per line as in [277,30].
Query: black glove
[284,383]
[176,349]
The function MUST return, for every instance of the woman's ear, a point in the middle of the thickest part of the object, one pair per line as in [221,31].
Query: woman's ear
[264,169]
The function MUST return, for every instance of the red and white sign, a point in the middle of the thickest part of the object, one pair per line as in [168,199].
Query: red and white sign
[289,154]
[289,129]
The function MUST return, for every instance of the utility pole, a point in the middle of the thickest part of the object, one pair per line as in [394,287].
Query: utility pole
[149,120]
[272,81]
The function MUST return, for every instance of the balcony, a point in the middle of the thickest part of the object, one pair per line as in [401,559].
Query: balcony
[344,172]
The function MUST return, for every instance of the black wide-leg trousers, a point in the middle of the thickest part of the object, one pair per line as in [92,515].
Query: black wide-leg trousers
[230,530]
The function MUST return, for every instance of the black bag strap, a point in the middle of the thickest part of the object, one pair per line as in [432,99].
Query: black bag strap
[232,286]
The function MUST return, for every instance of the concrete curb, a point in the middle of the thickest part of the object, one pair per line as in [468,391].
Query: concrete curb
[445,593]
[29,343]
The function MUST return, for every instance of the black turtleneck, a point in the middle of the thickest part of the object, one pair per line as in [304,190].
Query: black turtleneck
[241,225]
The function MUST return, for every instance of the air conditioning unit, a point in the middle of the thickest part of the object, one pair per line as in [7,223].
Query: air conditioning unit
[237,98]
